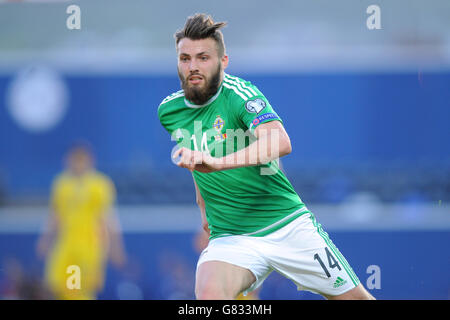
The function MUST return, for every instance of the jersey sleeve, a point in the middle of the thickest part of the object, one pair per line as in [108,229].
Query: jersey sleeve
[255,110]
[165,107]
[161,117]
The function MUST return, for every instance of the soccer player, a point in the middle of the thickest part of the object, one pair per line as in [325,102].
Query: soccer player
[83,229]
[230,138]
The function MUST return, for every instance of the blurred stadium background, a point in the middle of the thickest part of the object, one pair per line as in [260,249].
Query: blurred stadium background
[368,120]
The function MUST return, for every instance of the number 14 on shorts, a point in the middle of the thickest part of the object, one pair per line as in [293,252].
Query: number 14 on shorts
[332,262]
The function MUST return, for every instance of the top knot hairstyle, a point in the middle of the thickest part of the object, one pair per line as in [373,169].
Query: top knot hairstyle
[202,26]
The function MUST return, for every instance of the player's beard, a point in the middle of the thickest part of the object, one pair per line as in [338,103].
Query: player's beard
[198,95]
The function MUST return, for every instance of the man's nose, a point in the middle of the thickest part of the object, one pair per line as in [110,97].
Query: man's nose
[193,67]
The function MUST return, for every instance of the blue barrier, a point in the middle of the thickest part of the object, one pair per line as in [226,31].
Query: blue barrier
[413,264]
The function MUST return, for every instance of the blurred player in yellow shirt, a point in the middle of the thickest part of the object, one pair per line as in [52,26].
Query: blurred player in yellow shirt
[83,229]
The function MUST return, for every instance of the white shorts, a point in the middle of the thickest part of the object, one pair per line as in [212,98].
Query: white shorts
[301,251]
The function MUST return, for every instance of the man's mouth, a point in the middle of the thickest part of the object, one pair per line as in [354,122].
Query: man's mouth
[195,79]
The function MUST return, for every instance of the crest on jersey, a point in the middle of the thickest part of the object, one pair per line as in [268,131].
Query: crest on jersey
[218,124]
[255,106]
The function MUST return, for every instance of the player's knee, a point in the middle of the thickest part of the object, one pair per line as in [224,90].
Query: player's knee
[209,295]
[366,296]
[360,293]
[211,291]
[357,293]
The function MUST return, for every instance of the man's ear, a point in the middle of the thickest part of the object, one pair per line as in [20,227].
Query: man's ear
[224,60]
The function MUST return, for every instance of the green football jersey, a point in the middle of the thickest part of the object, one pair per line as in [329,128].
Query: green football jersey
[254,200]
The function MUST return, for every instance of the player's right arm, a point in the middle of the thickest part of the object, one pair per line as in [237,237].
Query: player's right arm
[50,231]
[201,205]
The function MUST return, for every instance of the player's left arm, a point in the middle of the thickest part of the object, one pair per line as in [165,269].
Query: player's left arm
[272,142]
[113,230]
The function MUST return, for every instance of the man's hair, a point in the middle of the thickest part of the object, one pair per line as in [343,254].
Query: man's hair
[202,26]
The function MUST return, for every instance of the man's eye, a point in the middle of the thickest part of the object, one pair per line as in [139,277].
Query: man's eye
[204,58]
[184,59]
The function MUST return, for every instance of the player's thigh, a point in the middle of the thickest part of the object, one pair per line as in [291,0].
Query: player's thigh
[56,268]
[221,280]
[93,265]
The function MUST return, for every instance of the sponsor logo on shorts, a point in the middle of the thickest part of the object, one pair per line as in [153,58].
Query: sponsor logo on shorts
[339,282]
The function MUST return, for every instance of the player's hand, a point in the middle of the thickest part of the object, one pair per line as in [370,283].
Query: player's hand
[118,258]
[42,247]
[197,160]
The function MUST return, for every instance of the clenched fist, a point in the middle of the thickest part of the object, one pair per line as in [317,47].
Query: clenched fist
[197,160]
